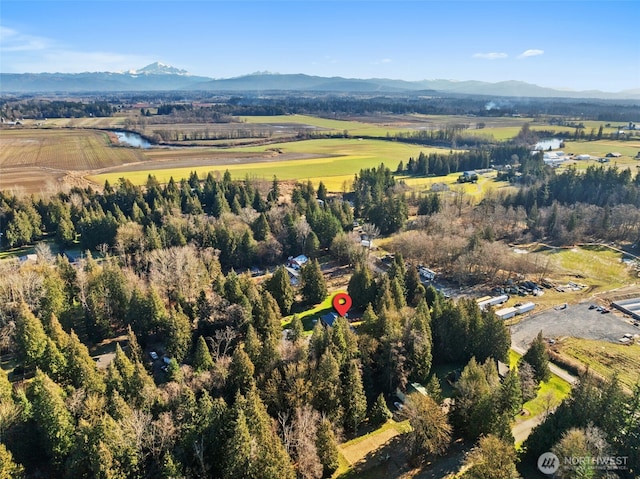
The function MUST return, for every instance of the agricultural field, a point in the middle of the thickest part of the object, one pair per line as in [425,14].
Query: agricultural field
[332,161]
[34,159]
[605,358]
[42,155]
[599,148]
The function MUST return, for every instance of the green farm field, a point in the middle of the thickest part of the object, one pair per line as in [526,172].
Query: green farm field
[68,151]
[331,161]
[628,150]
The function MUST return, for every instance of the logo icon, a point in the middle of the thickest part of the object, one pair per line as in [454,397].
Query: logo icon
[548,463]
[341,303]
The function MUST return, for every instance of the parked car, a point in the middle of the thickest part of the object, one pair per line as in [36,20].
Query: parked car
[398,405]
[153,355]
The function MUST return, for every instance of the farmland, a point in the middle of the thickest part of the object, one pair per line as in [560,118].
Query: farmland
[332,161]
[30,158]
[605,358]
[257,146]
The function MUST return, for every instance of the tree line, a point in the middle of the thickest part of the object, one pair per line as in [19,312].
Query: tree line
[39,109]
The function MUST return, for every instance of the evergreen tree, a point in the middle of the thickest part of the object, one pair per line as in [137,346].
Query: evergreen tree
[511,394]
[362,288]
[280,288]
[418,342]
[380,413]
[8,468]
[271,459]
[6,389]
[322,192]
[538,357]
[53,362]
[312,245]
[476,396]
[134,349]
[261,228]
[81,369]
[51,417]
[314,286]
[327,446]
[297,329]
[354,400]
[202,360]
[327,387]
[434,389]
[237,458]
[54,299]
[177,331]
[240,379]
[31,338]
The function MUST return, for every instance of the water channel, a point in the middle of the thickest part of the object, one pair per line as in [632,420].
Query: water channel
[132,139]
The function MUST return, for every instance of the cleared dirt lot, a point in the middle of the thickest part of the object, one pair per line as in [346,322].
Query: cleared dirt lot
[575,320]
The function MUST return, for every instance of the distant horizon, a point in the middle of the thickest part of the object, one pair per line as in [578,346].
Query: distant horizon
[267,72]
[571,45]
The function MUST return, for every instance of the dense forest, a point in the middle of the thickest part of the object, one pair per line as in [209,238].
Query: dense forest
[323,104]
[202,380]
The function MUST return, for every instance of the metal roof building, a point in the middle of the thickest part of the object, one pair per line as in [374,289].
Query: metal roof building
[629,306]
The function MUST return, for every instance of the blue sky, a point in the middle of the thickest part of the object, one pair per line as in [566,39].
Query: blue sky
[571,44]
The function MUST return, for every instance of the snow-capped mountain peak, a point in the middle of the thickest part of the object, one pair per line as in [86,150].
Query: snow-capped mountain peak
[158,68]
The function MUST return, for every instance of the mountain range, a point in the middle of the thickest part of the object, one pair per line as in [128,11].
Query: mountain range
[161,77]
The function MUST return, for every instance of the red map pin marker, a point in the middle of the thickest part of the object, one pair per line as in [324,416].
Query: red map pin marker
[341,303]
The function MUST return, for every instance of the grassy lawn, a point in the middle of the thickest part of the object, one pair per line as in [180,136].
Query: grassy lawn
[513,358]
[358,448]
[550,394]
[605,358]
[17,252]
[308,316]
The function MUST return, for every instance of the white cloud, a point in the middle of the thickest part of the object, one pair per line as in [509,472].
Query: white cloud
[13,41]
[382,61]
[28,53]
[531,53]
[490,55]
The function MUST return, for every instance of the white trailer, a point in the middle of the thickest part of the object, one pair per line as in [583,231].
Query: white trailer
[493,301]
[506,313]
[525,308]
